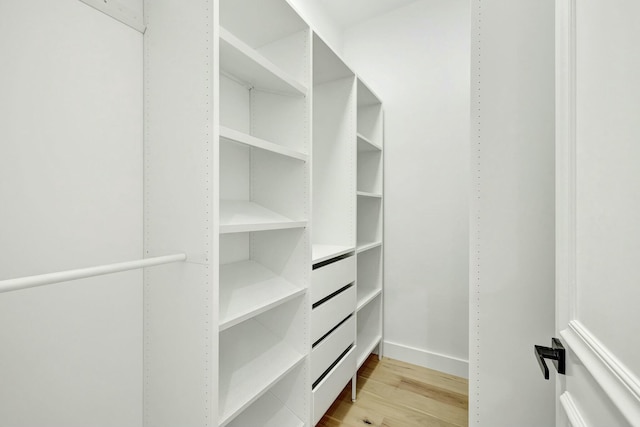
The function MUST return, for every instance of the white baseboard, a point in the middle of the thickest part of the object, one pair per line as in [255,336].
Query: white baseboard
[439,362]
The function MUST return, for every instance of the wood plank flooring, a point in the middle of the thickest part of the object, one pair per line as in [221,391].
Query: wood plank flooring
[397,394]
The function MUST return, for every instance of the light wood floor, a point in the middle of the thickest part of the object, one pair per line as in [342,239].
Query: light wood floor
[396,394]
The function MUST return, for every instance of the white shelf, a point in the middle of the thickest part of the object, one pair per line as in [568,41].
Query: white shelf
[248,289]
[252,360]
[365,347]
[252,141]
[365,246]
[324,252]
[365,296]
[238,60]
[367,194]
[267,411]
[238,216]
[365,144]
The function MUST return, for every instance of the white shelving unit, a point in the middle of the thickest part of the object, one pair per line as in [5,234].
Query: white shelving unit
[264,152]
[369,143]
[333,226]
[195,164]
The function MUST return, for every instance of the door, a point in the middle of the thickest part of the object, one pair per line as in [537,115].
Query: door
[598,211]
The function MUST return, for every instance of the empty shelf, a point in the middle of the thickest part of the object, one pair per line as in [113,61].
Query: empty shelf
[365,144]
[237,216]
[252,360]
[366,345]
[267,411]
[324,252]
[239,60]
[248,289]
[365,296]
[367,194]
[365,246]
[252,141]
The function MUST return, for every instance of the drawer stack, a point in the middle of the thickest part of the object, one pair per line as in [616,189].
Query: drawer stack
[333,329]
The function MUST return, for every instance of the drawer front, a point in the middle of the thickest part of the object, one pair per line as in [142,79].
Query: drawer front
[328,279]
[331,312]
[327,351]
[331,386]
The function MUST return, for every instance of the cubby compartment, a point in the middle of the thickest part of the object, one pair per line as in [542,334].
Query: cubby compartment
[272,31]
[370,117]
[259,271]
[284,405]
[369,172]
[334,156]
[369,320]
[260,190]
[369,223]
[369,284]
[258,353]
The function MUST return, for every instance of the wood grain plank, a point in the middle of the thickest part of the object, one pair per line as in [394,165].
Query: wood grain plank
[392,393]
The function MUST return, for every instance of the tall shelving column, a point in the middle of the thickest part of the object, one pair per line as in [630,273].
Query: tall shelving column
[370,226]
[264,150]
[333,293]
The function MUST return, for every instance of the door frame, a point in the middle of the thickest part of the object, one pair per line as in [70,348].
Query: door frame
[619,383]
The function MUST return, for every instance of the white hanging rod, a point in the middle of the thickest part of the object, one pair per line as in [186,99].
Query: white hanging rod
[81,273]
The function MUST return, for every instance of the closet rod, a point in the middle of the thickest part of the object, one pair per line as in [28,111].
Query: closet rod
[81,273]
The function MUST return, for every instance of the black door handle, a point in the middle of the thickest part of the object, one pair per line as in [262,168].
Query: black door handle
[555,352]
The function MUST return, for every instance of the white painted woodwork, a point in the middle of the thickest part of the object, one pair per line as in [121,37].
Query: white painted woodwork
[326,252]
[330,313]
[330,348]
[597,209]
[369,328]
[265,177]
[331,278]
[326,391]
[512,242]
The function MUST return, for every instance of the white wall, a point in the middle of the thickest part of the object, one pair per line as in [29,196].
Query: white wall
[321,21]
[416,59]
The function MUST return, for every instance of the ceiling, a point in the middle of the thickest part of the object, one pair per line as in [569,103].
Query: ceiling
[351,12]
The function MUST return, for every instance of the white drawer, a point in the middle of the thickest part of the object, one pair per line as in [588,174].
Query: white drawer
[331,386]
[327,351]
[331,312]
[328,279]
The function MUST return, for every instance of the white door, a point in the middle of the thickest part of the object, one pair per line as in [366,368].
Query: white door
[598,211]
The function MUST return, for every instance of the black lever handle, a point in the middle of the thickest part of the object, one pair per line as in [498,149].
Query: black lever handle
[555,352]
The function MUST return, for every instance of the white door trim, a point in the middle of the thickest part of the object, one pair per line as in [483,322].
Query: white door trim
[616,380]
[571,410]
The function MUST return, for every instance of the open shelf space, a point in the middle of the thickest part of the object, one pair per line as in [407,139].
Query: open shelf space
[267,411]
[366,295]
[248,289]
[251,141]
[370,171]
[366,194]
[252,360]
[369,219]
[237,216]
[243,63]
[369,321]
[365,144]
[327,65]
[324,252]
[366,246]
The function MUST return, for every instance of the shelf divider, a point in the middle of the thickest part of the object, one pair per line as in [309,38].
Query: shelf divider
[365,246]
[322,252]
[365,144]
